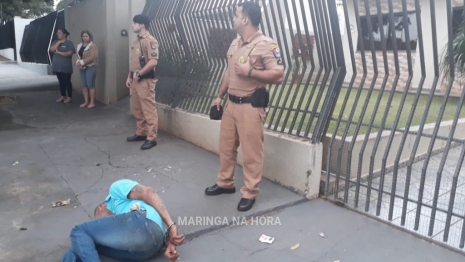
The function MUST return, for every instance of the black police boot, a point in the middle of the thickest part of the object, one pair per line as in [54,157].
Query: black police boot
[136,138]
[148,144]
[216,190]
[245,204]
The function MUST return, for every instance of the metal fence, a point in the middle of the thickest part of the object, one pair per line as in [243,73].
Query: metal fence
[194,37]
[38,36]
[392,124]
[7,35]
[397,143]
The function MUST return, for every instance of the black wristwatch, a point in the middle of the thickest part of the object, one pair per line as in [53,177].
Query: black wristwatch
[137,74]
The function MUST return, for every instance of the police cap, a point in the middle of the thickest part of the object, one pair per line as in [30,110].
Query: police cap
[141,19]
[216,114]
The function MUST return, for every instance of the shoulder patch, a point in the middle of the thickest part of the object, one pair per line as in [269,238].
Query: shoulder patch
[276,52]
[153,44]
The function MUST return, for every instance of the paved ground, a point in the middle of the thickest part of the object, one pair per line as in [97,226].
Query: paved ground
[410,207]
[14,77]
[64,152]
[51,152]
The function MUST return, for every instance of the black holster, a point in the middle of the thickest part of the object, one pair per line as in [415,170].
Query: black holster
[260,98]
[149,75]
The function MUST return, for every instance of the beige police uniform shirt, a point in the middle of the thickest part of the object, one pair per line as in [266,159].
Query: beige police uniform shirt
[263,53]
[148,47]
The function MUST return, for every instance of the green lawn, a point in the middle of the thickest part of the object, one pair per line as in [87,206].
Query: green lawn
[302,120]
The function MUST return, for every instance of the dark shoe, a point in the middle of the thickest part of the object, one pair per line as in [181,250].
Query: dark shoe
[245,204]
[216,190]
[135,138]
[148,144]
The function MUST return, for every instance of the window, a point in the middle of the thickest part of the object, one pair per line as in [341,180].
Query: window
[399,32]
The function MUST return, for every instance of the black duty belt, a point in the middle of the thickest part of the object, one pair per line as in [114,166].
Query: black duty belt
[240,100]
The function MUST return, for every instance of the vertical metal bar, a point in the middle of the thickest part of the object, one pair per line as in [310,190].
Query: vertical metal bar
[376,107]
[420,88]
[341,115]
[202,88]
[386,113]
[328,50]
[367,99]
[402,103]
[282,29]
[298,87]
[438,123]
[192,88]
[338,77]
[433,138]
[186,48]
[290,88]
[310,75]
[319,49]
[357,98]
[202,35]
[457,170]
[218,64]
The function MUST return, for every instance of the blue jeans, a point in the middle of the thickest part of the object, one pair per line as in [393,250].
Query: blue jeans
[88,76]
[130,237]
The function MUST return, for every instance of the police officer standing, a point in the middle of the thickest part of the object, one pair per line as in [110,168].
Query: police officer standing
[141,79]
[254,61]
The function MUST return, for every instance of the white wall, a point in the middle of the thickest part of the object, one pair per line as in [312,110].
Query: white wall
[20,24]
[8,53]
[442,39]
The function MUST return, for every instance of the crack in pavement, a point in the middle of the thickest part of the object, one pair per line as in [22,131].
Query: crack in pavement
[62,177]
[108,155]
[98,180]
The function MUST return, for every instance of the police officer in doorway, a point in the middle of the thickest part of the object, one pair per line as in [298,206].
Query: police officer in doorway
[141,79]
[254,61]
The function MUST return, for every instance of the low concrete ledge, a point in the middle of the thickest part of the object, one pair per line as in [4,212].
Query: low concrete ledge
[290,162]
[41,69]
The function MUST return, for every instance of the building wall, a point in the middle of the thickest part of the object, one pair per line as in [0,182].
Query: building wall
[20,24]
[105,20]
[426,30]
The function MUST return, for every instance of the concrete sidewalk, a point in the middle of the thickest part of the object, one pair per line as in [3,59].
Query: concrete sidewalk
[15,78]
[348,237]
[51,152]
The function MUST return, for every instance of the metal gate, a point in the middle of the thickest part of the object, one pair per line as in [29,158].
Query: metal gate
[370,79]
[396,146]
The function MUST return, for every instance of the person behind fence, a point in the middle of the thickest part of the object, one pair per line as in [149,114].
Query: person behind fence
[141,80]
[62,64]
[87,64]
[254,61]
[128,226]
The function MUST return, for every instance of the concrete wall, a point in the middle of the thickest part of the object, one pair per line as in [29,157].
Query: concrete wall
[293,163]
[406,149]
[20,24]
[8,53]
[105,20]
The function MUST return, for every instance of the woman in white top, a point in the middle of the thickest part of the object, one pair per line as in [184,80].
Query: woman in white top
[87,53]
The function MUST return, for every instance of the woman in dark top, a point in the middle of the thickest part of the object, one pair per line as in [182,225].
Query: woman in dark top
[63,50]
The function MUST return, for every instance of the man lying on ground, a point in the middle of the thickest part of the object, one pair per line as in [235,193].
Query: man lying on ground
[127,226]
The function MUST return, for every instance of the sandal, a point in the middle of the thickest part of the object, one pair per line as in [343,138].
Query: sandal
[61,99]
[68,100]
